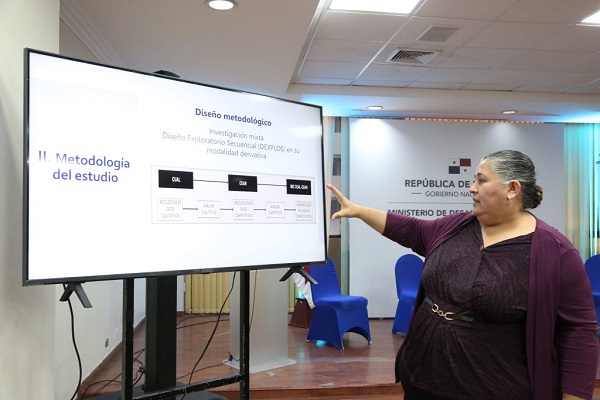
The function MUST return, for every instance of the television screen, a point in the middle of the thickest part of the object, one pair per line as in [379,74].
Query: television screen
[132,174]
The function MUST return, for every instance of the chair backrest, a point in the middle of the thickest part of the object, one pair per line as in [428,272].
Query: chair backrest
[327,281]
[408,272]
[592,267]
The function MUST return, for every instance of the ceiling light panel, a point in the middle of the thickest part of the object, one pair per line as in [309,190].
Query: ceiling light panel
[381,6]
[221,5]
[593,19]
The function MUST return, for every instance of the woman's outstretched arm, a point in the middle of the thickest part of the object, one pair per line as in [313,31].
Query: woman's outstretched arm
[373,217]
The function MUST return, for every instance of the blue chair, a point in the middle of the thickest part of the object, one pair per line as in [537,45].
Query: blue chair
[592,267]
[408,275]
[334,313]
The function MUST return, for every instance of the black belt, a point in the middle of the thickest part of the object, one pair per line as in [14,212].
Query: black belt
[447,315]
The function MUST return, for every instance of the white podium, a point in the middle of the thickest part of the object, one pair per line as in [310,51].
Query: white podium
[268,321]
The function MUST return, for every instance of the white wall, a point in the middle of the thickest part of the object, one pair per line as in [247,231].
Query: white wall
[386,153]
[26,314]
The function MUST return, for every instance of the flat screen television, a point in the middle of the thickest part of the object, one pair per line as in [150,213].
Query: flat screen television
[133,174]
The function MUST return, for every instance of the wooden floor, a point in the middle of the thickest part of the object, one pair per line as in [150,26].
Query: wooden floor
[321,372]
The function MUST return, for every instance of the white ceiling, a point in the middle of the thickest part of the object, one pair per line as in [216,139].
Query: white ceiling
[529,55]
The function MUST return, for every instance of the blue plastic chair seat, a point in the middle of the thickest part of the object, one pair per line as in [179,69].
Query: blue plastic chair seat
[344,302]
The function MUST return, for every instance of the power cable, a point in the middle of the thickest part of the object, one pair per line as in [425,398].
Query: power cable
[74,345]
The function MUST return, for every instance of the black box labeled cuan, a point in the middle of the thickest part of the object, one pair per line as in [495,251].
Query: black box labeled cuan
[242,183]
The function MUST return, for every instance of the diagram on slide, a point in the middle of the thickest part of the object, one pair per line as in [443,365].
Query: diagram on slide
[197,196]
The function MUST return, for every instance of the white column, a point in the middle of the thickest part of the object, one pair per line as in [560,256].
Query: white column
[268,321]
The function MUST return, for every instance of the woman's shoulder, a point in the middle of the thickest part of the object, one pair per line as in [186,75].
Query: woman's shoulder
[457,218]
[546,232]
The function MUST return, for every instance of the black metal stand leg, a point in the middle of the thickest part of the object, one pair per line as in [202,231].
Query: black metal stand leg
[298,270]
[245,334]
[161,334]
[75,287]
[127,364]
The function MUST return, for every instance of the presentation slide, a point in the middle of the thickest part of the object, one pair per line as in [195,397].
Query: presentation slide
[133,174]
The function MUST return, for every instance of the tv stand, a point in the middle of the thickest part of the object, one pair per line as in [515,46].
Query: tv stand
[192,391]
[139,391]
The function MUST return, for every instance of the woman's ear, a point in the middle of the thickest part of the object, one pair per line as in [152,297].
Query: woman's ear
[514,189]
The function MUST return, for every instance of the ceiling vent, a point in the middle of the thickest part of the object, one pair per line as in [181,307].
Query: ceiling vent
[412,57]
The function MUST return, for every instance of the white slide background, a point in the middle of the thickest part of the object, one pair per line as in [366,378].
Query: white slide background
[388,158]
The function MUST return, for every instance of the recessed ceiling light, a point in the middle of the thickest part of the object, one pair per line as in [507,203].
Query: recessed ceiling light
[221,5]
[593,19]
[382,6]
[375,108]
[509,112]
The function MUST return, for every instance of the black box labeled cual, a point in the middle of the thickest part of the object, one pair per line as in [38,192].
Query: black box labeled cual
[175,179]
